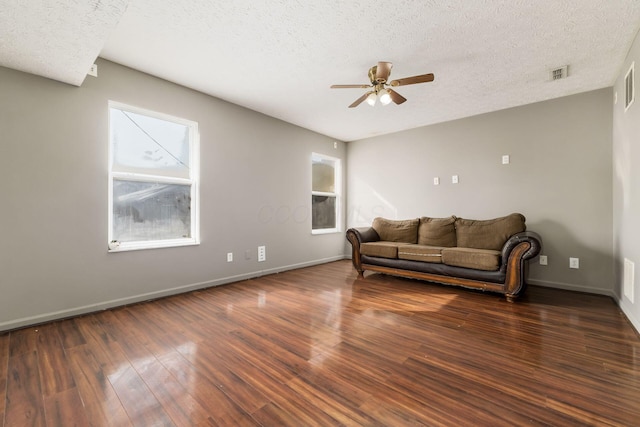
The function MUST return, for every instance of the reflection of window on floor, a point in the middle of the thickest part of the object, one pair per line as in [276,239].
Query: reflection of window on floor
[153,179]
[325,194]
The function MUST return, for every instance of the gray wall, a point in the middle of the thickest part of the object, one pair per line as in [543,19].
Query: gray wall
[577,192]
[560,178]
[255,190]
[626,188]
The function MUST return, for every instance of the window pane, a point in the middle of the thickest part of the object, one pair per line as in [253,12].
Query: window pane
[323,210]
[144,142]
[324,176]
[144,211]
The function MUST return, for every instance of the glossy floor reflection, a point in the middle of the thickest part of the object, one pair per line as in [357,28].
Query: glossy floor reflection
[315,346]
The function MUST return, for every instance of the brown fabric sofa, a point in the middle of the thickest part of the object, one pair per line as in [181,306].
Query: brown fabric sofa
[490,255]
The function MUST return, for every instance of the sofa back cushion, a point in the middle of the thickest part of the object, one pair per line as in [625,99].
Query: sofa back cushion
[488,234]
[437,232]
[405,231]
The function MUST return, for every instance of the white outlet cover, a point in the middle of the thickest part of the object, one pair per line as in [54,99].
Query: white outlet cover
[454,179]
[230,257]
[574,263]
[543,260]
[505,159]
[436,181]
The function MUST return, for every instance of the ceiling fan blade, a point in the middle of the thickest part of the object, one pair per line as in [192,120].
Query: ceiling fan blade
[396,97]
[359,100]
[382,71]
[423,78]
[350,86]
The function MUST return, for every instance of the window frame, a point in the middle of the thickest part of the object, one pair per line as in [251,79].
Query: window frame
[155,177]
[337,167]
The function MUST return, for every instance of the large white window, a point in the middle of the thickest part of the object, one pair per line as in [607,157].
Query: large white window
[153,179]
[325,194]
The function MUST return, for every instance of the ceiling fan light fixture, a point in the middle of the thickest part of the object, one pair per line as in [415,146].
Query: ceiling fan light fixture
[385,98]
[379,78]
[371,99]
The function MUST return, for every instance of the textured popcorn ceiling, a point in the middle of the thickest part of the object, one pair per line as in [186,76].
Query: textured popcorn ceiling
[279,57]
[56,39]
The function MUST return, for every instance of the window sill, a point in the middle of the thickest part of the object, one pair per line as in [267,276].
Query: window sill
[156,244]
[325,231]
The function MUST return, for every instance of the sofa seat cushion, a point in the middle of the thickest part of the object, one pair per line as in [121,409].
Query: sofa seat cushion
[437,231]
[420,253]
[381,249]
[488,234]
[405,231]
[479,259]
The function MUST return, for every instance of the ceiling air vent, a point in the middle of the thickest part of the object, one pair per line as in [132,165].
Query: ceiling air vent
[559,73]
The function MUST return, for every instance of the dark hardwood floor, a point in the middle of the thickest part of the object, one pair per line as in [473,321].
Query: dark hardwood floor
[317,347]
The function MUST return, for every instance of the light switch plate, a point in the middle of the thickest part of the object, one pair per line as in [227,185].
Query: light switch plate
[505,159]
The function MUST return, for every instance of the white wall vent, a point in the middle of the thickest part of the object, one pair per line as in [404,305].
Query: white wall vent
[629,90]
[559,73]
[629,279]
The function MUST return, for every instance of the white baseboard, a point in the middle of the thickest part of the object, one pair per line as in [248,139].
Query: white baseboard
[627,310]
[105,305]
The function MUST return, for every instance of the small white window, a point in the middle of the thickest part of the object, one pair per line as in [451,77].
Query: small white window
[629,91]
[153,179]
[325,194]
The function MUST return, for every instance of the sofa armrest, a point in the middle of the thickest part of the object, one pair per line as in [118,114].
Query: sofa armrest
[357,236]
[516,251]
[362,235]
[530,237]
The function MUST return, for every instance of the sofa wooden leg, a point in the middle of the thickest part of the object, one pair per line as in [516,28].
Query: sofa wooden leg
[361,274]
[511,298]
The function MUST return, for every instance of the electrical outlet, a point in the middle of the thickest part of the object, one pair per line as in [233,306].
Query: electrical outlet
[93,70]
[229,256]
[505,159]
[262,253]
[436,181]
[543,260]
[574,262]
[454,179]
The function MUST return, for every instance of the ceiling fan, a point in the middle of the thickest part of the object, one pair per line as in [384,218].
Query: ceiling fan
[379,88]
